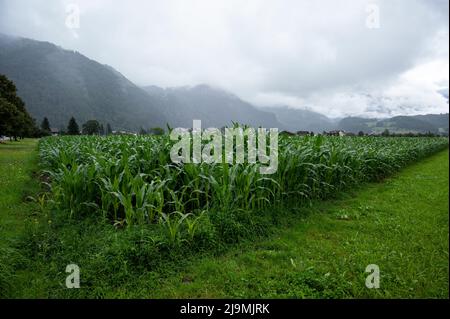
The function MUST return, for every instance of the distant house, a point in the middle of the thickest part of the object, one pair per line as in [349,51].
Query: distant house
[54,131]
[335,133]
[123,132]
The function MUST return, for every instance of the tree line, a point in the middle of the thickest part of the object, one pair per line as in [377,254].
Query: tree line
[94,127]
[91,127]
[16,123]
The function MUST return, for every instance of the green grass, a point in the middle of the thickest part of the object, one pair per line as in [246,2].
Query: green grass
[400,224]
[18,162]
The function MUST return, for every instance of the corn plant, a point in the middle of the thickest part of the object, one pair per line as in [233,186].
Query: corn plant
[130,180]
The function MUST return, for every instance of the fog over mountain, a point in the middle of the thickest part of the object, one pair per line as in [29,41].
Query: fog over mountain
[213,106]
[58,84]
[339,58]
[434,123]
[296,119]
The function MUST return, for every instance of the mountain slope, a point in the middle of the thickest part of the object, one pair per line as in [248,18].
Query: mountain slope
[406,124]
[215,107]
[357,124]
[294,119]
[440,121]
[58,84]
[435,123]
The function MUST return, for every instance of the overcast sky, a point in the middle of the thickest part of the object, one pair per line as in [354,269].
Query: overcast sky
[338,57]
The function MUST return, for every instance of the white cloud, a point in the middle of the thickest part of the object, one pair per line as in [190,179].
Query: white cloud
[315,53]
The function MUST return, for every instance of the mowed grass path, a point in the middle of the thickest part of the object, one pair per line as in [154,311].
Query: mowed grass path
[18,160]
[401,225]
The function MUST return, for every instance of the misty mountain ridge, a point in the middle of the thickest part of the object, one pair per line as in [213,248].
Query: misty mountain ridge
[434,123]
[301,119]
[213,106]
[58,83]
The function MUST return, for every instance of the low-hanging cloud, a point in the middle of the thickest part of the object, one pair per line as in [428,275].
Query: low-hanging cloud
[321,54]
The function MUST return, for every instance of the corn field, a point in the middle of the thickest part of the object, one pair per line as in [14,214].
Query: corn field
[130,180]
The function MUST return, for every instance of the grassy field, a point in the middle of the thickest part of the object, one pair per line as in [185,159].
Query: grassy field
[322,251]
[401,225]
[18,162]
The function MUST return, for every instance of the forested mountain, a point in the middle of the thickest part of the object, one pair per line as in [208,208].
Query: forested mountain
[440,121]
[57,84]
[215,107]
[434,123]
[294,119]
[357,124]
[407,124]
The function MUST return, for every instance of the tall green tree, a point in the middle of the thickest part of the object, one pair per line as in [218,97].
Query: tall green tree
[8,114]
[45,126]
[108,129]
[72,127]
[91,127]
[14,121]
